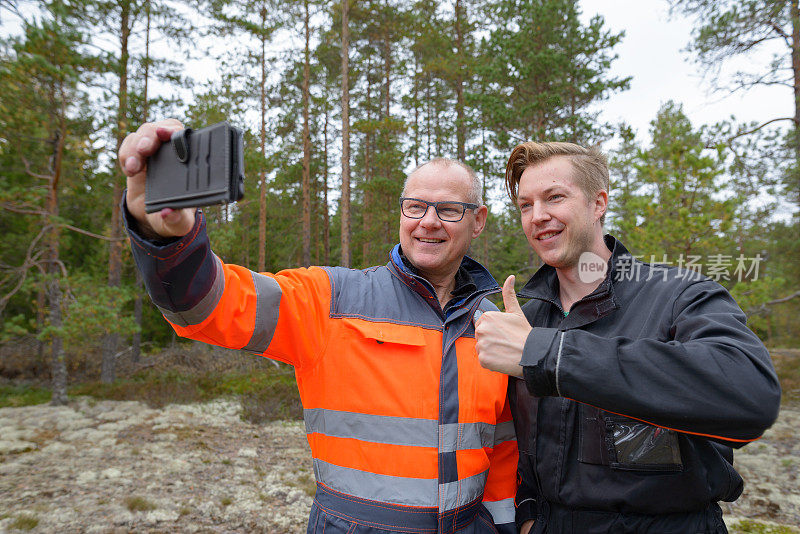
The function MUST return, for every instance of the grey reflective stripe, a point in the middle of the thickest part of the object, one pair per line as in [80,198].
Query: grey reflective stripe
[405,430]
[268,300]
[502,511]
[461,492]
[202,310]
[504,432]
[385,488]
[373,428]
[462,436]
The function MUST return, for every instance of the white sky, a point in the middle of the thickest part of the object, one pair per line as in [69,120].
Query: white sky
[652,51]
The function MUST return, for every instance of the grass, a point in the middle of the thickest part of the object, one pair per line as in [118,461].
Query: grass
[265,394]
[306,483]
[135,503]
[181,374]
[749,526]
[25,522]
[22,395]
[787,365]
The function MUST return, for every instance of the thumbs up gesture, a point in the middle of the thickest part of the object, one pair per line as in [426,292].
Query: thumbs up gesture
[500,336]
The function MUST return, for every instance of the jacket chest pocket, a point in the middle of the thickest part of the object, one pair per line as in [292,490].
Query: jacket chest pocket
[626,444]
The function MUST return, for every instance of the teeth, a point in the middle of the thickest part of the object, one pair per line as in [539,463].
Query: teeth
[547,235]
[429,240]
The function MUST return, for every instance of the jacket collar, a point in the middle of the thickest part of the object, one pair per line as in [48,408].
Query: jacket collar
[481,277]
[544,285]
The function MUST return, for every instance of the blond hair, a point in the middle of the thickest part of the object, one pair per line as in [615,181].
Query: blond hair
[591,165]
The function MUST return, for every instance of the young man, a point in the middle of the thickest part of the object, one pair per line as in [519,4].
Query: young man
[408,432]
[634,381]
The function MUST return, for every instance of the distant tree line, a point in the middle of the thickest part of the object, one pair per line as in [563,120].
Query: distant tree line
[339,99]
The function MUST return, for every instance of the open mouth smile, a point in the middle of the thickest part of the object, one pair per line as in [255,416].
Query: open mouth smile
[546,235]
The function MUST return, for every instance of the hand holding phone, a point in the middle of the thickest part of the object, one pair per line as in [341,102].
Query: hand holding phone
[134,153]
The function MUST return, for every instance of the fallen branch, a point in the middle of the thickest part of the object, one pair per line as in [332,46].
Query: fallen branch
[90,234]
[763,308]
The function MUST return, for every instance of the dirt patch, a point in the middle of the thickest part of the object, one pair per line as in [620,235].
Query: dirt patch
[115,466]
[770,468]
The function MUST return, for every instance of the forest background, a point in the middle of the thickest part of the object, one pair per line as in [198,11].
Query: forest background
[338,101]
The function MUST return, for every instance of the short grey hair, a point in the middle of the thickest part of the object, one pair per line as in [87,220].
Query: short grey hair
[475,195]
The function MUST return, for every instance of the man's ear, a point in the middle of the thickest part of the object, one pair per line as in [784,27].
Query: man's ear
[480,221]
[600,204]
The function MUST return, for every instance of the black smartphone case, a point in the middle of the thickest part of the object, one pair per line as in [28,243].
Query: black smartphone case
[196,168]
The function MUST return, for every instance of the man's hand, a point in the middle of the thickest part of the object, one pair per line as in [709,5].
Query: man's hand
[133,154]
[500,336]
[526,527]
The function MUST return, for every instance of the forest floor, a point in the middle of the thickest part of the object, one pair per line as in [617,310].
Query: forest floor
[121,466]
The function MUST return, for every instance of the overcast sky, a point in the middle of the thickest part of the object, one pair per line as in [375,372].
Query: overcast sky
[652,52]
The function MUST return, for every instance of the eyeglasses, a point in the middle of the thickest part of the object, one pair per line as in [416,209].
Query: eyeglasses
[447,210]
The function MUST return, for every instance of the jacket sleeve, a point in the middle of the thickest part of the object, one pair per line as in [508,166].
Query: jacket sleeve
[281,316]
[709,375]
[498,496]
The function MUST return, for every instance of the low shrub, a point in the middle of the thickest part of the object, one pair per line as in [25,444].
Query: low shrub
[15,396]
[135,503]
[749,526]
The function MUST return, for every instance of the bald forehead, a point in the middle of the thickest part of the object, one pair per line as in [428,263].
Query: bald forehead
[445,170]
[444,174]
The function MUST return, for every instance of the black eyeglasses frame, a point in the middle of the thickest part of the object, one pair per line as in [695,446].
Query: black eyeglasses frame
[465,206]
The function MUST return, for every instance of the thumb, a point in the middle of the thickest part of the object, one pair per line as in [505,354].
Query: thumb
[510,297]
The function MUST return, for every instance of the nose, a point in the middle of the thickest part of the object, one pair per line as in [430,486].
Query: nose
[431,219]
[539,213]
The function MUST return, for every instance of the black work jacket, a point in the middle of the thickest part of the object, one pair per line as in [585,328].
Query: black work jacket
[635,398]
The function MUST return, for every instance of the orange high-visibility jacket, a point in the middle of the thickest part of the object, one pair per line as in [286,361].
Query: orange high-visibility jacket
[397,409]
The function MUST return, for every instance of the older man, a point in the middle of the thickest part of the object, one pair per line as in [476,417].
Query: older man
[407,431]
[637,379]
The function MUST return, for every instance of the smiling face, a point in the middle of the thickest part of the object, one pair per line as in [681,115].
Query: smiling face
[433,246]
[558,219]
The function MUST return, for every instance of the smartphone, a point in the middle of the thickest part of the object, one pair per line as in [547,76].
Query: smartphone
[196,168]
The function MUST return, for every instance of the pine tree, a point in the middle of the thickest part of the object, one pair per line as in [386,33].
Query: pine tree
[44,130]
[730,29]
[541,71]
[677,212]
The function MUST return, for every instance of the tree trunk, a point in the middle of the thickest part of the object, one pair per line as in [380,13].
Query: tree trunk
[146,102]
[41,303]
[387,199]
[795,14]
[461,128]
[136,338]
[366,217]
[428,115]
[59,365]
[326,222]
[306,146]
[262,206]
[345,200]
[111,340]
[417,77]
